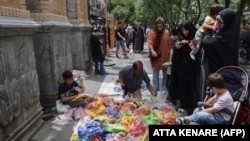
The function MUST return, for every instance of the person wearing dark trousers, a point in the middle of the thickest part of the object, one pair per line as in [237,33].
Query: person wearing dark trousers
[97,53]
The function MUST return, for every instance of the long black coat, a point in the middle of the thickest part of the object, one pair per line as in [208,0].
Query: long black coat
[96,50]
[217,50]
[182,64]
[139,39]
[220,48]
[184,70]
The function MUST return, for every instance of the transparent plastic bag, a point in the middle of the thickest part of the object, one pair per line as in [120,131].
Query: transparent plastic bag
[78,113]
[129,98]
[61,108]
[161,96]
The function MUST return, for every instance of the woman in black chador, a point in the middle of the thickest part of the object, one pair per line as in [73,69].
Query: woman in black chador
[220,48]
[183,73]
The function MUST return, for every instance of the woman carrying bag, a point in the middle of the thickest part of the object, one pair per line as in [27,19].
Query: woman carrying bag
[159,52]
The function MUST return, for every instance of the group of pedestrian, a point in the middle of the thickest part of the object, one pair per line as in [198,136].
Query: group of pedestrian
[133,35]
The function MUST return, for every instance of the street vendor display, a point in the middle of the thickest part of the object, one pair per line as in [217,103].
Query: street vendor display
[105,119]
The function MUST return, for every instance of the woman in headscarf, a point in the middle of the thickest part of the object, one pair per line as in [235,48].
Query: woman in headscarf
[220,48]
[139,39]
[183,73]
[159,52]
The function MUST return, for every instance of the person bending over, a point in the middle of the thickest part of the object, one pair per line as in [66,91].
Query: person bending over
[131,78]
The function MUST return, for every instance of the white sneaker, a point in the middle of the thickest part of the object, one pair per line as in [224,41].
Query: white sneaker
[130,52]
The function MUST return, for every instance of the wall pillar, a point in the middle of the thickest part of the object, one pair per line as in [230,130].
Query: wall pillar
[80,34]
[20,109]
[52,53]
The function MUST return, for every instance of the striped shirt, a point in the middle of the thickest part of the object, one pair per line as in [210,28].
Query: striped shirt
[132,81]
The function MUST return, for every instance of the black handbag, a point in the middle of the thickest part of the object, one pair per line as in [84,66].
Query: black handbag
[158,55]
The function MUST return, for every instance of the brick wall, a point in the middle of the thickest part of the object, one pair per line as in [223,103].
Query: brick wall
[11,3]
[13,12]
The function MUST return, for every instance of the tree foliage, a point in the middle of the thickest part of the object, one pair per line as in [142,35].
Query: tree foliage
[173,11]
[122,9]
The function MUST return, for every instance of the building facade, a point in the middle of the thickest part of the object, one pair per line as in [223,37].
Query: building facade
[97,11]
[39,39]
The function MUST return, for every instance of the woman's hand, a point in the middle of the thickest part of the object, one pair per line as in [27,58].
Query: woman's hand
[153,53]
[184,42]
[191,45]
[177,46]
[154,94]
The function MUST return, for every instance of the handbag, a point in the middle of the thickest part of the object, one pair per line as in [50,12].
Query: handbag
[158,55]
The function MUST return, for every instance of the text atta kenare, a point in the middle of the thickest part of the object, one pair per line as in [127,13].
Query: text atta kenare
[185,132]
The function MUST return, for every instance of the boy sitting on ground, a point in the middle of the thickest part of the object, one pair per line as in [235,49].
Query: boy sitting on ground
[69,93]
[219,109]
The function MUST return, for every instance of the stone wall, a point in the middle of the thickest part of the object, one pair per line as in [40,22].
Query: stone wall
[53,56]
[37,43]
[80,38]
[80,34]
[65,40]
[19,88]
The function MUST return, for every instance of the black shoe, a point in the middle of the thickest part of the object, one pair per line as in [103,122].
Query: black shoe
[190,111]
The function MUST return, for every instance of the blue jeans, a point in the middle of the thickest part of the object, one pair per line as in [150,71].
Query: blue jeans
[207,118]
[118,44]
[156,79]
[99,68]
